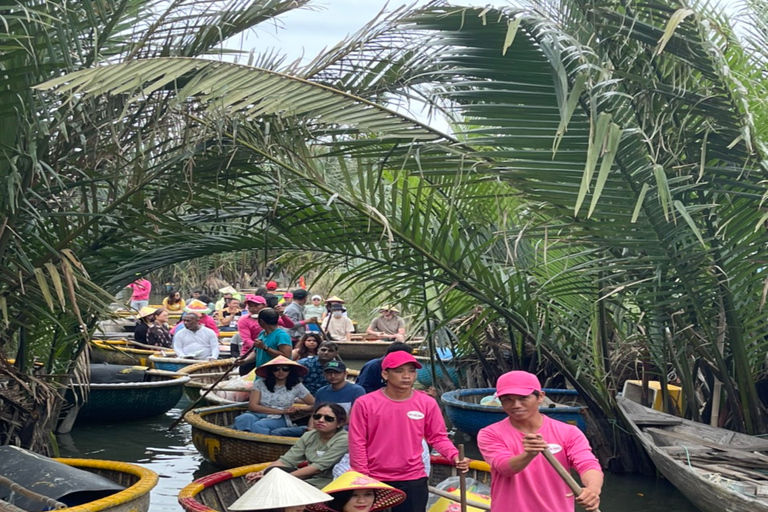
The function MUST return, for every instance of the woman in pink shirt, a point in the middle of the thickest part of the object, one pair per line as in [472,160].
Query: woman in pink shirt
[141,289]
[521,479]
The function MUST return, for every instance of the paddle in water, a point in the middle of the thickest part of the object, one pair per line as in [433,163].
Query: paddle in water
[564,474]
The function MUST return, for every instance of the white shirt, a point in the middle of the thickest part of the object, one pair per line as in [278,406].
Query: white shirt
[200,344]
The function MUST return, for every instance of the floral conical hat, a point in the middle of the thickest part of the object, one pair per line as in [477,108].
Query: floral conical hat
[386,495]
[197,306]
[277,490]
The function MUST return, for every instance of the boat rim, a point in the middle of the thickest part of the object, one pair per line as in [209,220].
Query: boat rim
[172,381]
[166,359]
[196,418]
[453,398]
[206,364]
[147,481]
[122,346]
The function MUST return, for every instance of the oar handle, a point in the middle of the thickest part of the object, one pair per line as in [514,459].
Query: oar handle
[462,482]
[564,474]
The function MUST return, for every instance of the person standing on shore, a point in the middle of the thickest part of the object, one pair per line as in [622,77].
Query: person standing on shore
[399,416]
[140,290]
[521,479]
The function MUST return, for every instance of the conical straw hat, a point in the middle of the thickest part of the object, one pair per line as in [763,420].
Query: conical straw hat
[277,489]
[335,299]
[147,311]
[262,370]
[227,289]
[386,495]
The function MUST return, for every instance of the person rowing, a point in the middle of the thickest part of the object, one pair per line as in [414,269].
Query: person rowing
[521,479]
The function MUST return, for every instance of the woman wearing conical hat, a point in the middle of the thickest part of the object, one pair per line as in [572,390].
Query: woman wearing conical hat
[355,492]
[145,317]
[278,491]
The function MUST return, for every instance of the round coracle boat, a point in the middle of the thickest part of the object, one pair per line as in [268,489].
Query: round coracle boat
[216,492]
[469,416]
[226,447]
[171,363]
[119,352]
[204,374]
[137,480]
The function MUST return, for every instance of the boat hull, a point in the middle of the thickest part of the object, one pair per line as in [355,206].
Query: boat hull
[138,481]
[471,417]
[367,350]
[204,374]
[118,352]
[226,447]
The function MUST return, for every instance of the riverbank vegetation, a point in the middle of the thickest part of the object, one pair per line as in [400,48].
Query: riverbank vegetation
[600,202]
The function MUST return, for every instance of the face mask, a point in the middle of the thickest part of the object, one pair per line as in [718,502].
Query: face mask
[337,314]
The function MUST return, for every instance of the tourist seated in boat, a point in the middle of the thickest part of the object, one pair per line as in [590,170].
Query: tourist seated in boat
[295,311]
[315,307]
[195,296]
[388,325]
[271,286]
[202,311]
[370,374]
[330,302]
[174,302]
[279,491]
[273,397]
[338,390]
[229,316]
[307,346]
[273,343]
[195,341]
[159,334]
[286,299]
[227,294]
[144,319]
[337,326]
[315,379]
[317,451]
[205,299]
[355,492]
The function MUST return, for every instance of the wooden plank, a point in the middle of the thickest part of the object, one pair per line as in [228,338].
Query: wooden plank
[742,452]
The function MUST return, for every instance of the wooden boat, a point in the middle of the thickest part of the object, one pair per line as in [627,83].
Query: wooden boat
[363,350]
[716,469]
[216,492]
[226,447]
[119,352]
[138,481]
[468,415]
[130,400]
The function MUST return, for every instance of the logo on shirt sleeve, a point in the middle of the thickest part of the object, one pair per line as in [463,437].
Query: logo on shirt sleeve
[555,448]
[415,415]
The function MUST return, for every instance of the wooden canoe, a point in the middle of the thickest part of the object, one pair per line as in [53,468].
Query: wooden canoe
[119,352]
[469,416]
[216,492]
[226,447]
[366,350]
[138,481]
[716,469]
[130,400]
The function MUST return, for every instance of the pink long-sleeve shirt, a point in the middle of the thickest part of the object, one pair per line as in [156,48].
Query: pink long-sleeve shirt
[141,289]
[537,488]
[250,329]
[385,435]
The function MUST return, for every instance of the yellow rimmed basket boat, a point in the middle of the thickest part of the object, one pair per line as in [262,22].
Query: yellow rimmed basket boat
[226,447]
[204,374]
[119,352]
[138,481]
[216,492]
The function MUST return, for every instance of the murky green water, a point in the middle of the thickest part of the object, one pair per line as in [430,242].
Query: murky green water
[148,443]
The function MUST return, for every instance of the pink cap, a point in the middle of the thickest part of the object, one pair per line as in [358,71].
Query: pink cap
[256,299]
[398,358]
[287,295]
[517,383]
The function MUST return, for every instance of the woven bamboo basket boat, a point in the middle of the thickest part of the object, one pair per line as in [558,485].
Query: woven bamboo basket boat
[226,447]
[204,374]
[216,492]
[130,400]
[171,363]
[119,352]
[137,480]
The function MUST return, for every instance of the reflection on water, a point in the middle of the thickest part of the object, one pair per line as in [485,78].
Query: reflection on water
[171,455]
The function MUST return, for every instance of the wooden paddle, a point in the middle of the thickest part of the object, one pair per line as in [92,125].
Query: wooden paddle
[564,474]
[462,482]
[213,386]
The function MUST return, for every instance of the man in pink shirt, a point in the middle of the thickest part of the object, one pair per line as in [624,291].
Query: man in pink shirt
[521,479]
[249,329]
[141,289]
[386,429]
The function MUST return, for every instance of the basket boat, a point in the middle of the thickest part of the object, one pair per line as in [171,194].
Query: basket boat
[130,400]
[367,350]
[226,447]
[119,352]
[424,374]
[204,374]
[138,481]
[170,363]
[466,413]
[216,492]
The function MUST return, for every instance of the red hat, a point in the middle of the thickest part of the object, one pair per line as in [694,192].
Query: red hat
[256,299]
[398,358]
[517,383]
[272,286]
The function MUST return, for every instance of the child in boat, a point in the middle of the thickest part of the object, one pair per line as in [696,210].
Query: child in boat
[355,492]
[279,492]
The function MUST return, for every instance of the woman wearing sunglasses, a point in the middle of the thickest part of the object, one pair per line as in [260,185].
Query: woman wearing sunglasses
[272,399]
[321,448]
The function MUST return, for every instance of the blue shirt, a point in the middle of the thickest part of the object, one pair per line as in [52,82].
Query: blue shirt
[315,379]
[370,376]
[273,340]
[345,396]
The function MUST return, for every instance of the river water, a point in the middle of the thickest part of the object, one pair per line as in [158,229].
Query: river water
[148,443]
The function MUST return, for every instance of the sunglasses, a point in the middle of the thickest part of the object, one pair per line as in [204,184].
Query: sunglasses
[318,417]
[281,369]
